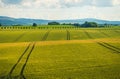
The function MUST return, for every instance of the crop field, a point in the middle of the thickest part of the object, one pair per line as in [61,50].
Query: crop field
[55,53]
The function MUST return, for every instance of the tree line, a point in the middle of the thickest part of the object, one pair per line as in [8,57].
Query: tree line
[85,24]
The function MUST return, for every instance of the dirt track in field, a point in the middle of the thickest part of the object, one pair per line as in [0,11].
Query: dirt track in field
[26,54]
[68,35]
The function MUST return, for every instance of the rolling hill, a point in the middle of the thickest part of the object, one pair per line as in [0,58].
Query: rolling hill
[5,20]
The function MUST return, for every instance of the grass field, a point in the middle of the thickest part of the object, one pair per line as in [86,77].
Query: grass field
[83,53]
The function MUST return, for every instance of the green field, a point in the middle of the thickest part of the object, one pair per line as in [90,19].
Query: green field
[55,53]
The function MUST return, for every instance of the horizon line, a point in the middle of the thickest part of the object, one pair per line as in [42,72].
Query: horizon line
[56,19]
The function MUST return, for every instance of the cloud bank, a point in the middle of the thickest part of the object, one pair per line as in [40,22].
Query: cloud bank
[61,9]
[59,3]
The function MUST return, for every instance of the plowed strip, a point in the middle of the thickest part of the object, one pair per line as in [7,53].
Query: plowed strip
[45,36]
[113,48]
[68,35]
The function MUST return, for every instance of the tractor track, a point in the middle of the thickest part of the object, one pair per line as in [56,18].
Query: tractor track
[68,35]
[104,33]
[110,47]
[30,47]
[116,31]
[21,75]
[88,35]
[19,37]
[45,36]
[104,44]
[24,65]
[19,59]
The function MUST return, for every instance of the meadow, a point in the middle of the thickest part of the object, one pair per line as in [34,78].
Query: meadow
[52,52]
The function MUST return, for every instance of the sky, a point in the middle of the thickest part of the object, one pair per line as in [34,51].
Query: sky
[61,9]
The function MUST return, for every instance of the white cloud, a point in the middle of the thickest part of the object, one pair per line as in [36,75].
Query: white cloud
[1,4]
[116,2]
[27,3]
[62,9]
[102,3]
[61,3]
[47,3]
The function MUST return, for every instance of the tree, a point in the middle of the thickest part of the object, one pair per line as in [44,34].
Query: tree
[34,25]
[53,23]
[76,24]
[89,24]
[66,24]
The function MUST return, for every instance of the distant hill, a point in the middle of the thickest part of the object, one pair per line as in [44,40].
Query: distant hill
[20,21]
[4,20]
[81,21]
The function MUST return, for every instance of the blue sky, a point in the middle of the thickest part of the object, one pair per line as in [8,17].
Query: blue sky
[61,9]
